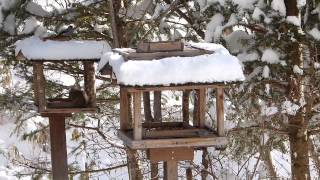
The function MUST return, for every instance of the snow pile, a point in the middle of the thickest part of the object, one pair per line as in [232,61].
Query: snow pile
[33,48]
[31,24]
[215,22]
[278,5]
[209,68]
[270,56]
[245,4]
[294,20]
[315,33]
[290,108]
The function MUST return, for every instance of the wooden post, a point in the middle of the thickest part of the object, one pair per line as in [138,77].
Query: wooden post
[137,124]
[157,106]
[147,107]
[170,170]
[189,173]
[124,110]
[154,171]
[58,147]
[202,107]
[185,106]
[39,85]
[89,82]
[220,111]
[199,111]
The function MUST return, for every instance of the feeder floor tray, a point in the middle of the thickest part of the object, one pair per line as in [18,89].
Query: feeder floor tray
[172,137]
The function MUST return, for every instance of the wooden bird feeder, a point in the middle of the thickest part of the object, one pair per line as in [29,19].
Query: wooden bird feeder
[39,52]
[169,141]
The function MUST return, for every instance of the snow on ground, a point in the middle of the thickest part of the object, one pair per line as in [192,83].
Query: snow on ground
[217,67]
[33,48]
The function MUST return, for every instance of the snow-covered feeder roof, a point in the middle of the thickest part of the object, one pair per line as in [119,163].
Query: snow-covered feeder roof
[34,48]
[219,67]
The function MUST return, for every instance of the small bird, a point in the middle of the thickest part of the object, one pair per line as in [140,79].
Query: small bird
[66,32]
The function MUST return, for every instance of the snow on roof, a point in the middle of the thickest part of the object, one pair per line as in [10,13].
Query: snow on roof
[217,67]
[34,48]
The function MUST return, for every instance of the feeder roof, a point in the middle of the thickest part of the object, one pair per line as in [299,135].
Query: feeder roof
[34,48]
[217,67]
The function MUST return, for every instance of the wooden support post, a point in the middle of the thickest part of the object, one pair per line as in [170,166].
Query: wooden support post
[170,170]
[185,106]
[189,173]
[199,111]
[147,107]
[58,147]
[137,123]
[154,171]
[196,109]
[124,110]
[39,85]
[220,111]
[89,82]
[157,106]
[202,107]
[133,167]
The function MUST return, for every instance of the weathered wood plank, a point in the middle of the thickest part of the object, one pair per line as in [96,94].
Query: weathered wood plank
[58,148]
[169,154]
[89,82]
[157,106]
[183,87]
[67,110]
[171,170]
[162,124]
[147,107]
[188,52]
[210,140]
[175,133]
[220,111]
[164,46]
[124,110]
[40,85]
[185,106]
[196,109]
[202,107]
[137,120]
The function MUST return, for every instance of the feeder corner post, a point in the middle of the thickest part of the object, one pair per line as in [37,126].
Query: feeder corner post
[220,111]
[89,82]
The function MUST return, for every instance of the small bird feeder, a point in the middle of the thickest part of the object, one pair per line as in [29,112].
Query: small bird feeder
[40,51]
[169,66]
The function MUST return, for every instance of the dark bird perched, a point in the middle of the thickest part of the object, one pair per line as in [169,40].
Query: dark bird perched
[63,35]
[66,32]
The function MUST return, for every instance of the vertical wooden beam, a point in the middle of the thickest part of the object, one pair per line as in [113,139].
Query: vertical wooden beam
[185,106]
[202,106]
[147,106]
[154,171]
[39,85]
[170,170]
[58,147]
[124,110]
[189,173]
[157,106]
[220,111]
[89,82]
[196,109]
[137,123]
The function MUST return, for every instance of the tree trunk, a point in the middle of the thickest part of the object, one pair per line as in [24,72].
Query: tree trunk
[298,123]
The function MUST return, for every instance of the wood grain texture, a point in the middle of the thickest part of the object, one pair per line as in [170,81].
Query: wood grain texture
[137,119]
[220,111]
